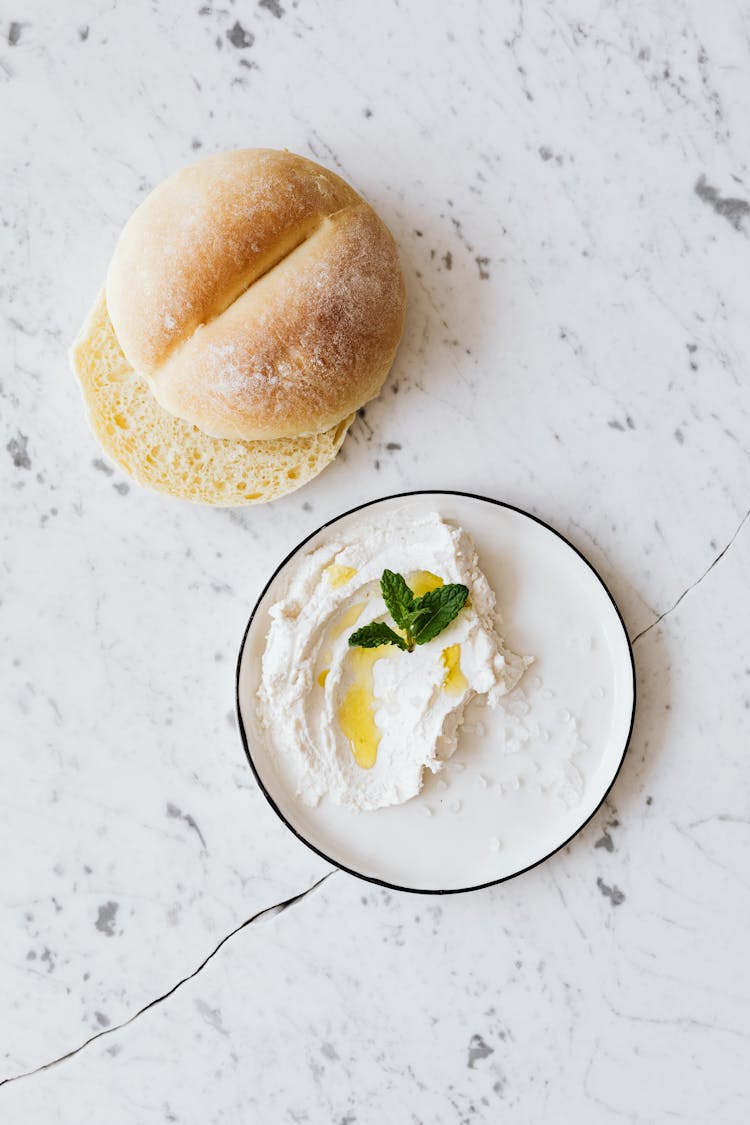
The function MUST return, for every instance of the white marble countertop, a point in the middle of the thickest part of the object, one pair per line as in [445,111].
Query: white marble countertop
[569,186]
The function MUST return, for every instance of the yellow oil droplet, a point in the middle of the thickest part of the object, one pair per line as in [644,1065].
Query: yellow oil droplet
[323,677]
[347,619]
[357,711]
[454,682]
[423,581]
[338,575]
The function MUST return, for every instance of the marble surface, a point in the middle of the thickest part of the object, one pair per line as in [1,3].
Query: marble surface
[569,187]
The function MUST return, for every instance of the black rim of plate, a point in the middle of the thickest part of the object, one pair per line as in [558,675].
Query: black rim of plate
[243,734]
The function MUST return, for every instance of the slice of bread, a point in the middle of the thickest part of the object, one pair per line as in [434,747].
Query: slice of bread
[167,454]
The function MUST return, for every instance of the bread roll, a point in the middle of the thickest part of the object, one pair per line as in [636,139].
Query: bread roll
[173,456]
[259,295]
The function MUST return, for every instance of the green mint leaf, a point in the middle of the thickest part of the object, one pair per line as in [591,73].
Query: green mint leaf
[435,610]
[374,635]
[398,598]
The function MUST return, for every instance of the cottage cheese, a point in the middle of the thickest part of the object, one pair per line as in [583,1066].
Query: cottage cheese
[312,680]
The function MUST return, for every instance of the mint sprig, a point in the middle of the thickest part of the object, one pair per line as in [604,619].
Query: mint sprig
[397,596]
[435,610]
[420,619]
[375,635]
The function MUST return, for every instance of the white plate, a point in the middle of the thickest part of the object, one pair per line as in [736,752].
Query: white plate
[525,779]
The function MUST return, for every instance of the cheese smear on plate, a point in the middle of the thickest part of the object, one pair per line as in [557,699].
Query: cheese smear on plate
[362,725]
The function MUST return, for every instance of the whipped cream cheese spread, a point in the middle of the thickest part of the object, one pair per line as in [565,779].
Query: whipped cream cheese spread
[362,724]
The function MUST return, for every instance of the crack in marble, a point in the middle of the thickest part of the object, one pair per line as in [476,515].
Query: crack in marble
[693,585]
[264,915]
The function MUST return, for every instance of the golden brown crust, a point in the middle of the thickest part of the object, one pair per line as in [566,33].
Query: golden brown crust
[259,294]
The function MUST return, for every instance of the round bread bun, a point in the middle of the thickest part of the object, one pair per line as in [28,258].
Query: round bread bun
[173,456]
[259,295]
